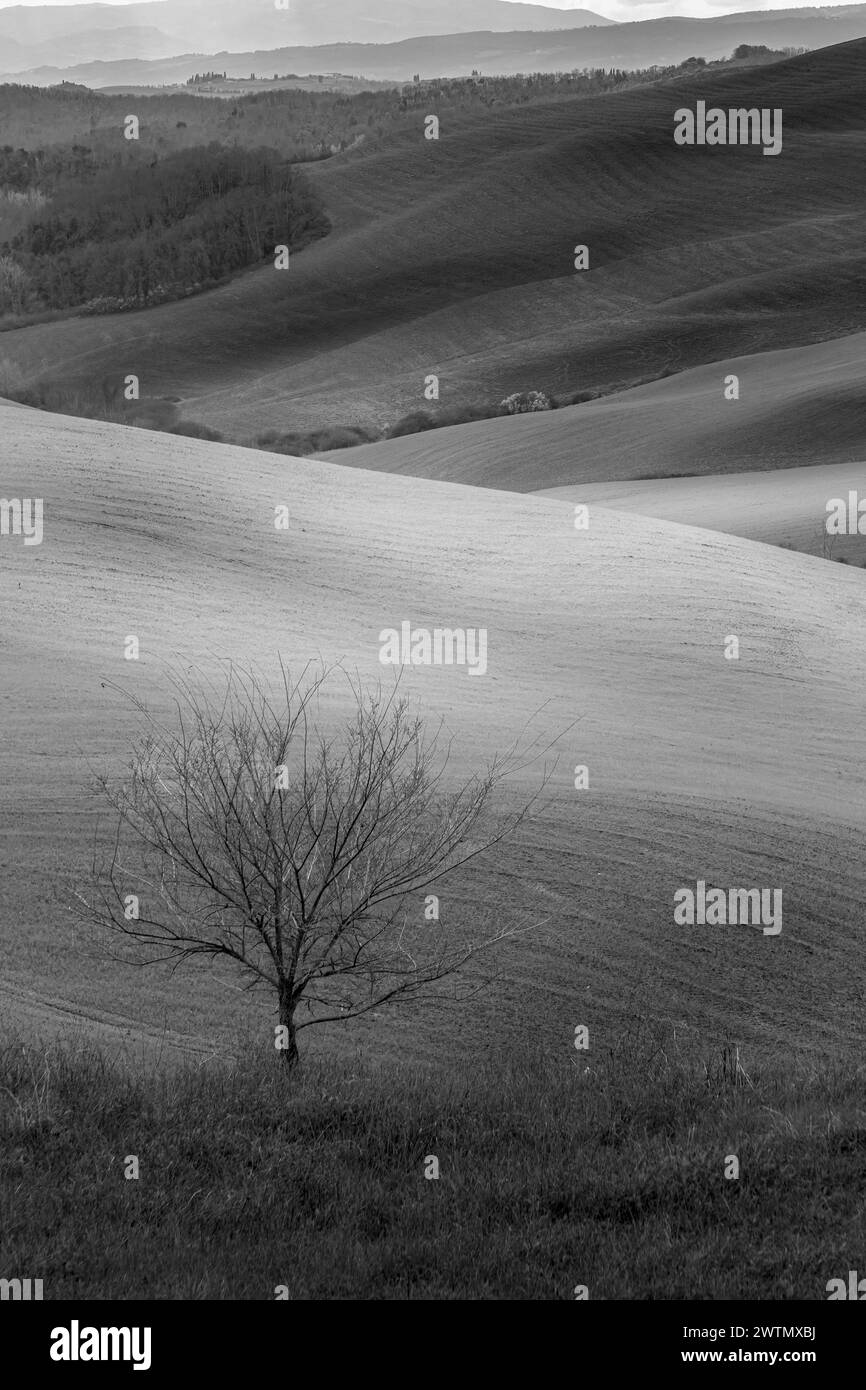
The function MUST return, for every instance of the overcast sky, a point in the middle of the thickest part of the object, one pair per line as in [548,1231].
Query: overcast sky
[611,9]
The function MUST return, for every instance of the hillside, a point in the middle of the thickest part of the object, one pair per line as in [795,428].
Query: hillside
[745,772]
[797,407]
[456,258]
[789,509]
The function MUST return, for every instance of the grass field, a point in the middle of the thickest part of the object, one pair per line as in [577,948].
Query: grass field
[602,1173]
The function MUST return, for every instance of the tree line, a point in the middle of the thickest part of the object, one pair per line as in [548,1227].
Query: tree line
[134,235]
[302,125]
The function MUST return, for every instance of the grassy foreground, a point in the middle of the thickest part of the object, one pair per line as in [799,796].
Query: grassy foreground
[551,1176]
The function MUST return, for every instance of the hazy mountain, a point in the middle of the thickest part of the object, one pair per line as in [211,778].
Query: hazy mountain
[623,45]
[136,39]
[63,34]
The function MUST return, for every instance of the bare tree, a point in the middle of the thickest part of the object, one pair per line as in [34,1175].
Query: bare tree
[246,832]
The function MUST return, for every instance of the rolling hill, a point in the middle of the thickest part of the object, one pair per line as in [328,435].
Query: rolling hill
[797,408]
[789,509]
[456,258]
[739,772]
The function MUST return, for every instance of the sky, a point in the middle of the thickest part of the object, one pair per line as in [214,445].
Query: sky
[622,10]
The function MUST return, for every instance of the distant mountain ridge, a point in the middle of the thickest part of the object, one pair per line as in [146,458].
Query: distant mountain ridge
[633,45]
[58,35]
[112,45]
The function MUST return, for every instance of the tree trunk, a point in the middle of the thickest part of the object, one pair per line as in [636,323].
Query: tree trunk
[289,1054]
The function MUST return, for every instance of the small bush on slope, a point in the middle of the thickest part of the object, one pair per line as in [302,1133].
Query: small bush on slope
[298,442]
[524,402]
[195,431]
[412,423]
